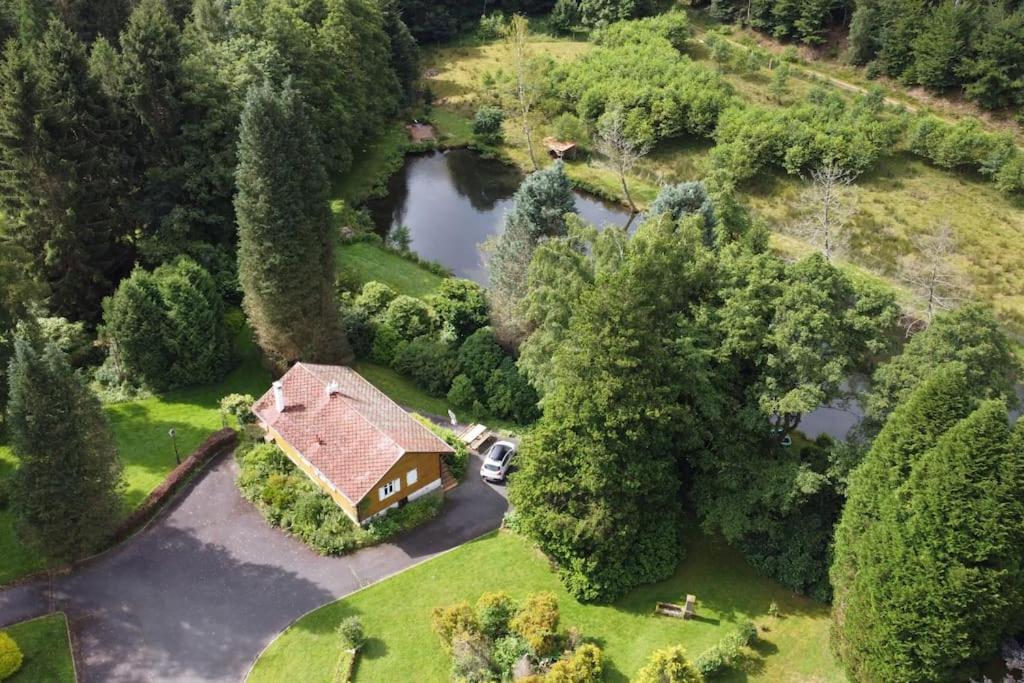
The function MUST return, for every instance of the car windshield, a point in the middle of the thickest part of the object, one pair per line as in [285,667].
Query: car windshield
[497,453]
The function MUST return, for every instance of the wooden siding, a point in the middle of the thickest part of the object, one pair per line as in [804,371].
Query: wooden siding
[428,470]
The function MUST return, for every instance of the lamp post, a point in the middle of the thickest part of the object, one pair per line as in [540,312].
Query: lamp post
[173,433]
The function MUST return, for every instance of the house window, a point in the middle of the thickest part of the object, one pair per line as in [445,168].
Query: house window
[389,488]
[412,477]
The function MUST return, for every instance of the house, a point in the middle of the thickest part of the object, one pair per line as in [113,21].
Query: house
[353,441]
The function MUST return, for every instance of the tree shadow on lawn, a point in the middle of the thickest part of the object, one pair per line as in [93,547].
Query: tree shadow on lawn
[171,606]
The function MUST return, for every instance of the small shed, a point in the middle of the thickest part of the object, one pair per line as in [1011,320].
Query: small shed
[560,149]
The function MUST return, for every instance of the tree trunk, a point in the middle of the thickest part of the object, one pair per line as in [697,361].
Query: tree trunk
[625,189]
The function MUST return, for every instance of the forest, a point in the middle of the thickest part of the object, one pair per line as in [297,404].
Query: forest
[169,175]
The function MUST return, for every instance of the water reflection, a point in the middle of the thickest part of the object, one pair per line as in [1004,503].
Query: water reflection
[453,201]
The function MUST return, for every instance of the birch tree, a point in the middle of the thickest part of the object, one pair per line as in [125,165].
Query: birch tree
[517,35]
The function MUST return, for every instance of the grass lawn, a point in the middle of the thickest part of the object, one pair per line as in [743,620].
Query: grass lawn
[140,430]
[402,647]
[365,261]
[44,643]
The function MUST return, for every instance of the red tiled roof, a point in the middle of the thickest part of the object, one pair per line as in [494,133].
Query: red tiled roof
[354,435]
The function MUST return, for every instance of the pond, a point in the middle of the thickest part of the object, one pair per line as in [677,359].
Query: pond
[453,201]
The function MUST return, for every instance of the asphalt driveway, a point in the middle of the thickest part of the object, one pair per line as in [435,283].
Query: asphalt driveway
[202,591]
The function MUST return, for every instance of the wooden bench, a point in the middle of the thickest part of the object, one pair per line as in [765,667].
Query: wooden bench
[668,609]
[475,436]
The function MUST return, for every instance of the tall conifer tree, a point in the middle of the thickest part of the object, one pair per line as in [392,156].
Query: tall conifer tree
[285,251]
[65,492]
[63,181]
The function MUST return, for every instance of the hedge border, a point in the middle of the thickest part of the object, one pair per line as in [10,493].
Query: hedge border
[214,445]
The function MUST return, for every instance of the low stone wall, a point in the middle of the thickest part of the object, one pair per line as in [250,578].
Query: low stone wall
[215,444]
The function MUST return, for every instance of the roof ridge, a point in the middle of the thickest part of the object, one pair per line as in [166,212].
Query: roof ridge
[356,410]
[395,403]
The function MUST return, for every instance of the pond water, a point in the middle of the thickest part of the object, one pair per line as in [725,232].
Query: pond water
[453,201]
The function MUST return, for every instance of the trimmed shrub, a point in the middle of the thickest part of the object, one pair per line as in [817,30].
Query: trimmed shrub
[404,518]
[462,394]
[10,656]
[448,622]
[461,308]
[432,364]
[351,632]
[721,656]
[375,297]
[409,317]
[583,666]
[494,611]
[669,665]
[537,623]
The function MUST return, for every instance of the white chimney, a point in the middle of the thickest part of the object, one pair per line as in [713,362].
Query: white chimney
[333,388]
[279,396]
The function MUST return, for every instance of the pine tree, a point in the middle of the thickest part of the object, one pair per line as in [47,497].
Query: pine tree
[65,492]
[941,45]
[541,203]
[63,174]
[939,578]
[285,252]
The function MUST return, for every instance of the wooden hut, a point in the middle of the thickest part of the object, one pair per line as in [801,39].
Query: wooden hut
[560,149]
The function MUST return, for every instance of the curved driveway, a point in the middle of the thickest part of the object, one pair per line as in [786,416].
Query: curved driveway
[201,592]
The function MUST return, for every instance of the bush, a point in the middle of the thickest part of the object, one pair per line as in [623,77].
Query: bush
[359,329]
[510,395]
[721,656]
[487,125]
[409,317]
[404,518]
[10,656]
[491,26]
[432,364]
[375,297]
[461,308]
[471,660]
[568,127]
[351,631]
[494,611]
[71,338]
[238,406]
[462,394]
[479,356]
[747,633]
[167,327]
[448,622]
[583,666]
[537,623]
[507,651]
[669,665]
[387,344]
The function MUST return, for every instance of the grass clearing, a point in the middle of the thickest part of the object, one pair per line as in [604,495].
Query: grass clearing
[401,645]
[362,262]
[44,643]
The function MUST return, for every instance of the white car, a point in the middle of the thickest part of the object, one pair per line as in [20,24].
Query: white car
[497,461]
